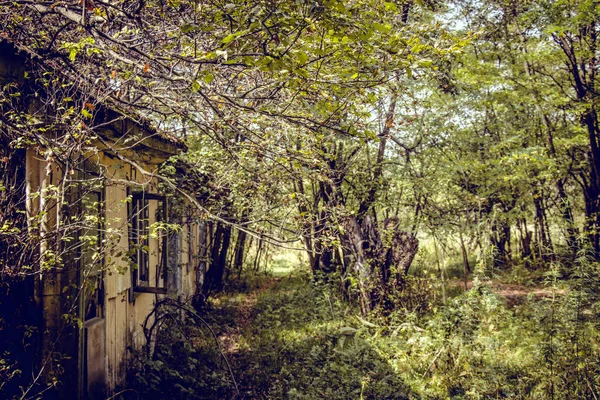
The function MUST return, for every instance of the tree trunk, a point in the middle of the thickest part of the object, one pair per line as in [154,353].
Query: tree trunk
[465,258]
[240,246]
[543,243]
[525,240]
[379,269]
[360,268]
[222,260]
[198,298]
[500,239]
[258,253]
[214,276]
[583,72]
[565,206]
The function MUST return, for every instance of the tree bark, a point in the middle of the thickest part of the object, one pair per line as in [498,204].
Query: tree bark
[500,239]
[465,258]
[240,247]
[214,276]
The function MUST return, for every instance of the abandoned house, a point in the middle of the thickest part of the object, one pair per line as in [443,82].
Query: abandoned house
[96,232]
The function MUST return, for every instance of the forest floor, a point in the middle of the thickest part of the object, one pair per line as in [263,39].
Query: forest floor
[290,337]
[286,335]
[513,293]
[283,339]
[230,338]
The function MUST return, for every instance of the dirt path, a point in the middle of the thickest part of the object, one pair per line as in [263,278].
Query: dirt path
[230,340]
[513,293]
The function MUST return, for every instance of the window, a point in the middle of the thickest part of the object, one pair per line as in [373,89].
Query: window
[148,243]
[140,242]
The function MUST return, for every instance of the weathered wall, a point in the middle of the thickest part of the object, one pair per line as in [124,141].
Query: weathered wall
[125,311]
[100,346]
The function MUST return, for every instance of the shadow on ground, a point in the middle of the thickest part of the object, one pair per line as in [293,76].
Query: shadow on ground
[297,347]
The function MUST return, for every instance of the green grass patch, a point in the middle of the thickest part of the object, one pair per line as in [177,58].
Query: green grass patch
[300,341]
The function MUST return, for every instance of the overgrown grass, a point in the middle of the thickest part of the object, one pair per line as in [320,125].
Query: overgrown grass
[303,342]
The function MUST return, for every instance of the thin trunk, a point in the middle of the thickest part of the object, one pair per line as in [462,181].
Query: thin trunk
[542,236]
[466,267]
[525,240]
[565,205]
[440,269]
[567,214]
[552,253]
[306,228]
[258,252]
[240,246]
[214,276]
[249,243]
[202,261]
[500,240]
[222,260]
[367,203]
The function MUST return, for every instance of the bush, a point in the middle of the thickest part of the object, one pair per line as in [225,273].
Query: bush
[186,362]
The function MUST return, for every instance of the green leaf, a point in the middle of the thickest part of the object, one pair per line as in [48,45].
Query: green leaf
[187,28]
[229,38]
[389,6]
[348,331]
[383,28]
[209,78]
[302,58]
[195,86]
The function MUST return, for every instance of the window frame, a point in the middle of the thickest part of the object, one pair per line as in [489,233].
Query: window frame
[139,285]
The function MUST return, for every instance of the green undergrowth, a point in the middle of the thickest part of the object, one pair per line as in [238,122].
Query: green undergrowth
[304,343]
[301,341]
